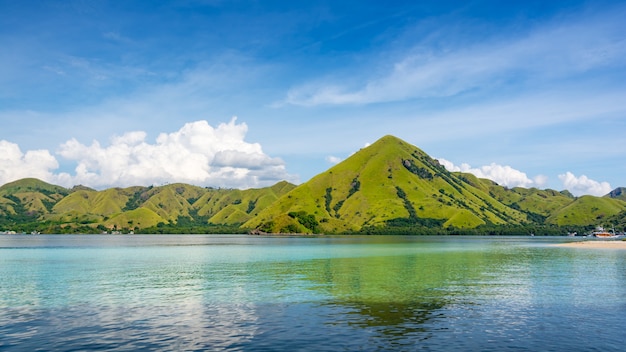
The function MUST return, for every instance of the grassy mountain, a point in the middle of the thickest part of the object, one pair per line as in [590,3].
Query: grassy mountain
[389,182]
[537,204]
[618,193]
[390,185]
[27,199]
[96,207]
[587,210]
[238,206]
[31,204]
[31,185]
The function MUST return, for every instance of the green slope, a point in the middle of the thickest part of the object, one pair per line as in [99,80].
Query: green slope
[31,185]
[388,185]
[535,203]
[29,197]
[238,206]
[133,219]
[31,201]
[389,181]
[587,210]
[108,201]
[618,193]
[172,201]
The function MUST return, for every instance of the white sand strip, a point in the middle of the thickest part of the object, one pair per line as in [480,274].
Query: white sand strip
[618,244]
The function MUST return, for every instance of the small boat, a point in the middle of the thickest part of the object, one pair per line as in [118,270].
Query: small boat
[600,232]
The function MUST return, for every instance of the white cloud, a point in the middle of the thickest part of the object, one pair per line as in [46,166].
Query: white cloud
[584,185]
[502,175]
[197,154]
[510,177]
[540,180]
[555,50]
[333,159]
[15,165]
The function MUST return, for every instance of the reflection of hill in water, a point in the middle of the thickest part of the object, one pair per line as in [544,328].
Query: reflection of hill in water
[401,291]
[395,319]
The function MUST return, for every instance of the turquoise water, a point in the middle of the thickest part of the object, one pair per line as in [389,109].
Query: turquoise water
[231,292]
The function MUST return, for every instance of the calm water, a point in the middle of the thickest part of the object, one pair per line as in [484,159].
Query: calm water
[312,294]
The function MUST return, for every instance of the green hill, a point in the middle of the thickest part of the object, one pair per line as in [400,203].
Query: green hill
[31,185]
[587,210]
[232,207]
[31,204]
[389,187]
[535,203]
[618,193]
[133,219]
[86,206]
[27,199]
[388,183]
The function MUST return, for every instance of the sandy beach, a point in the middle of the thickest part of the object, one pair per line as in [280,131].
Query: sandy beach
[618,244]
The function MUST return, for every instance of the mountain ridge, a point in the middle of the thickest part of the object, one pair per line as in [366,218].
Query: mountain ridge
[393,183]
[390,184]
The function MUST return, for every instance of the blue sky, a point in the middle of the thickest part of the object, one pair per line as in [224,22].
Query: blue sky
[246,93]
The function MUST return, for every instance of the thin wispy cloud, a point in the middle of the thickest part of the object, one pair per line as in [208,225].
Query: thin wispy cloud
[557,50]
[543,109]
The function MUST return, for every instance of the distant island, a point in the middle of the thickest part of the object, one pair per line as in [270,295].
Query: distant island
[389,187]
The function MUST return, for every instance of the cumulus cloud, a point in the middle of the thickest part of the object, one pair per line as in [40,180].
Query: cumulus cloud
[198,154]
[15,165]
[510,177]
[503,175]
[584,185]
[333,159]
[540,180]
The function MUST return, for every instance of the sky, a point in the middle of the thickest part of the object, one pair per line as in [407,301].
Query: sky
[243,94]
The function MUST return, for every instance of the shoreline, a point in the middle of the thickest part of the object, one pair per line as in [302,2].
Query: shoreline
[619,244]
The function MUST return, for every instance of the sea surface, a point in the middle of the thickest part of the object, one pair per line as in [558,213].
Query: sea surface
[361,293]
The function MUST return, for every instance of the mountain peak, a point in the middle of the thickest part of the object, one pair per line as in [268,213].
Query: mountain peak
[389,182]
[30,184]
[390,141]
[618,193]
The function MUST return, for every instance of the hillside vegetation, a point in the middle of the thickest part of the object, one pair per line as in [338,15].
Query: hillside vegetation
[33,205]
[389,187]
